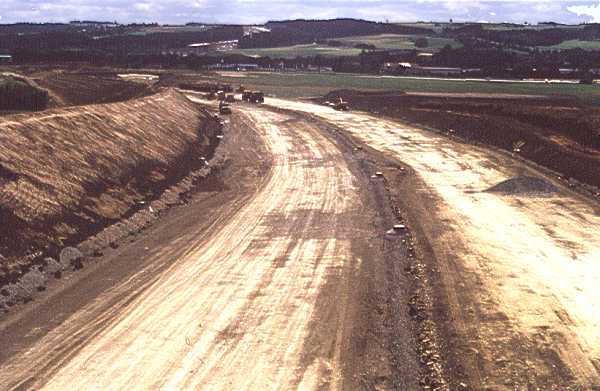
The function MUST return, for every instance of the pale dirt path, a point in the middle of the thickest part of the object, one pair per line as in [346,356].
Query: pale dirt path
[234,312]
[538,259]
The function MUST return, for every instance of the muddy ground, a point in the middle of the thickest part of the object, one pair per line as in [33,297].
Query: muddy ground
[561,134]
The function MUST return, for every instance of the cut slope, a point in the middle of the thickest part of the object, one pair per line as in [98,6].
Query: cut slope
[66,173]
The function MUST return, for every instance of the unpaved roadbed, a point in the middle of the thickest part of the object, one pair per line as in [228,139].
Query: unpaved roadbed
[513,275]
[291,285]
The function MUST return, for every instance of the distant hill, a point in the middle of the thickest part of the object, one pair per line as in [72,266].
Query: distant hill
[293,32]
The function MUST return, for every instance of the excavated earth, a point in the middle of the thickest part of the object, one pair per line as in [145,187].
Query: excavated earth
[65,174]
[277,272]
[557,133]
[509,277]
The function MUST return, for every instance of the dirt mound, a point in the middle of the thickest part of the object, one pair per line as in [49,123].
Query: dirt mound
[69,172]
[71,89]
[524,185]
[21,94]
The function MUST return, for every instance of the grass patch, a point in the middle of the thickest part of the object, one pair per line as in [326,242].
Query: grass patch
[574,44]
[289,52]
[292,85]
[397,41]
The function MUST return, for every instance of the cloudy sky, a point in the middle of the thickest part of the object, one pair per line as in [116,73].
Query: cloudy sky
[259,11]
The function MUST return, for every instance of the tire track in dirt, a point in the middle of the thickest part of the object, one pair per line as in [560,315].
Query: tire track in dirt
[233,312]
[519,272]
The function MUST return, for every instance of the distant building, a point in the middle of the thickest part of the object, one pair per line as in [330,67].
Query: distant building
[5,58]
[424,58]
[440,71]
[395,68]
[234,67]
[92,23]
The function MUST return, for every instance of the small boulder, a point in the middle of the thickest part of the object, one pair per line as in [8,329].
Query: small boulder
[33,280]
[52,268]
[13,293]
[71,257]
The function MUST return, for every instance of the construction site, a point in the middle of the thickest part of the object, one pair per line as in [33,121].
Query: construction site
[168,229]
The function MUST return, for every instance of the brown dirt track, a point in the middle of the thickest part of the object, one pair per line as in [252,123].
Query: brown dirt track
[558,133]
[512,277]
[278,278]
[279,269]
[65,173]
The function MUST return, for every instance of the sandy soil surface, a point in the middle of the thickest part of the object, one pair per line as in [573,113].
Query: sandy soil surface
[518,273]
[558,133]
[275,291]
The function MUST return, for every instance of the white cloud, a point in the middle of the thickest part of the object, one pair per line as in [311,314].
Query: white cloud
[257,11]
[592,11]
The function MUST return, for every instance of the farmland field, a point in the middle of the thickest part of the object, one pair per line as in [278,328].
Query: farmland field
[574,44]
[396,41]
[308,50]
[310,84]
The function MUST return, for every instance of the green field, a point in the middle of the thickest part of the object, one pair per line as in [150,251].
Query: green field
[383,41]
[312,84]
[396,41]
[309,50]
[574,44]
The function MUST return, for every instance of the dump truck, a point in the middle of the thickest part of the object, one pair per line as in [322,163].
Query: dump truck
[224,108]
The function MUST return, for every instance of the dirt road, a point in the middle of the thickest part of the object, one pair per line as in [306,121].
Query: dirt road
[264,298]
[518,273]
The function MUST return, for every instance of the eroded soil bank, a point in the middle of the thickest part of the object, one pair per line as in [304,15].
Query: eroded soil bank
[66,174]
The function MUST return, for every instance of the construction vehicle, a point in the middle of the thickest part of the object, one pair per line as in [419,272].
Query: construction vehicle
[230,98]
[224,108]
[257,97]
[221,95]
[340,105]
[253,96]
